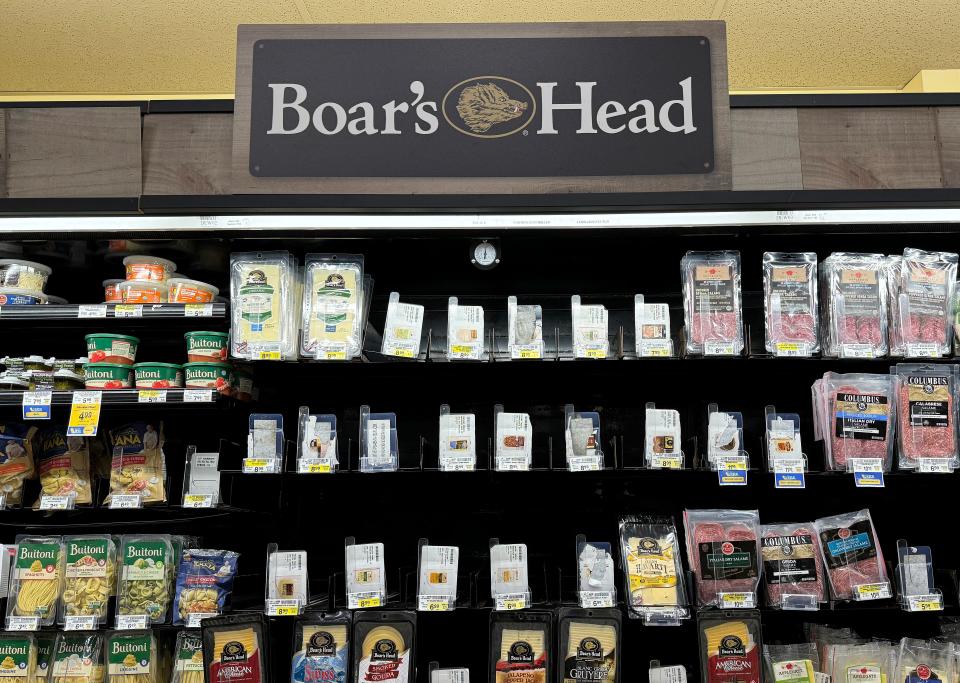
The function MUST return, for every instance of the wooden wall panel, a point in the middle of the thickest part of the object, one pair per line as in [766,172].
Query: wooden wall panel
[869,148]
[187,154]
[766,149]
[72,152]
[948,132]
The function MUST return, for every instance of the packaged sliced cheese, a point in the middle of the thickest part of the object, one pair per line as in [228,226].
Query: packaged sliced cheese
[589,645]
[791,663]
[520,647]
[333,305]
[730,646]
[235,649]
[263,291]
[653,569]
[321,644]
[383,647]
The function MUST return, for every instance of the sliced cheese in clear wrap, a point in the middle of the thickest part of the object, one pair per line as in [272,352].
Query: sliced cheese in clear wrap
[234,649]
[589,645]
[520,646]
[322,649]
[730,646]
[383,647]
[332,306]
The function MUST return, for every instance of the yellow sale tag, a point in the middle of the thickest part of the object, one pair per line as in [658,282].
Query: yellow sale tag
[657,353]
[529,353]
[269,355]
[318,468]
[928,606]
[253,462]
[369,602]
[336,355]
[461,350]
[84,413]
[437,606]
[287,611]
[403,353]
[596,353]
[514,604]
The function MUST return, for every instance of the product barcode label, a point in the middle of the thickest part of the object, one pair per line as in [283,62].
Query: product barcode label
[283,607]
[506,602]
[596,599]
[126,501]
[457,464]
[856,351]
[867,472]
[925,603]
[871,591]
[128,622]
[36,405]
[80,622]
[923,350]
[788,473]
[791,349]
[527,351]
[23,623]
[194,618]
[314,466]
[433,603]
[737,601]
[92,311]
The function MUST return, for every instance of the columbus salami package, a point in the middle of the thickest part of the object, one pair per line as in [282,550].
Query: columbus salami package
[922,661]
[712,302]
[792,566]
[858,418]
[927,285]
[723,553]
[791,318]
[383,647]
[852,557]
[730,647]
[791,663]
[652,567]
[926,428]
[858,303]
[865,663]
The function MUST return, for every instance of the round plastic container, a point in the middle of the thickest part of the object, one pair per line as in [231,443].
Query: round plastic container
[37,363]
[13,383]
[66,380]
[207,347]
[148,268]
[158,375]
[207,376]
[108,376]
[111,348]
[111,291]
[15,296]
[183,291]
[142,292]
[24,274]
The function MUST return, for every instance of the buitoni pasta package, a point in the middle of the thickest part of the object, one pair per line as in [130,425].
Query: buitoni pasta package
[90,572]
[78,657]
[188,654]
[146,577]
[204,583]
[37,579]
[18,657]
[132,657]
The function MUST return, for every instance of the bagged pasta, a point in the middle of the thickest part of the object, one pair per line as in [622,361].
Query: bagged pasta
[132,657]
[712,302]
[37,579]
[78,658]
[791,318]
[90,573]
[722,550]
[264,291]
[18,657]
[235,649]
[927,426]
[188,666]
[204,583]
[859,419]
[146,575]
[852,557]
[45,641]
[64,465]
[791,663]
[927,284]
[333,305]
[138,464]
[321,645]
[16,460]
[652,567]
[858,301]
[866,663]
[792,565]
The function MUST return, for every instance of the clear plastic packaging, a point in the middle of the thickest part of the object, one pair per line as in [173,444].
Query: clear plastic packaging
[236,648]
[18,651]
[145,586]
[403,329]
[333,307]
[457,441]
[927,286]
[926,661]
[437,577]
[287,583]
[792,566]
[188,658]
[524,330]
[791,318]
[78,657]
[713,313]
[132,657]
[90,576]
[138,465]
[791,663]
[509,576]
[45,642]
[652,331]
[589,329]
[36,582]
[596,585]
[465,331]
[379,444]
[204,585]
[317,450]
[730,646]
[893,275]
[263,293]
[366,575]
[724,436]
[852,557]
[513,450]
[858,302]
[662,438]
[582,438]
[723,553]
[926,403]
[589,645]
[863,663]
[654,580]
[859,415]
[321,648]
[521,647]
[383,647]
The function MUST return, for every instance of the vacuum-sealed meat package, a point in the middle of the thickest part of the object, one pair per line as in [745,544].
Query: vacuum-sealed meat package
[712,302]
[722,550]
[859,413]
[892,271]
[858,302]
[927,284]
[792,565]
[852,557]
[926,426]
[791,318]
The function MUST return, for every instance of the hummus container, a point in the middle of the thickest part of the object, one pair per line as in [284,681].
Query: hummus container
[40,380]
[207,347]
[13,365]
[148,268]
[142,292]
[14,296]
[111,292]
[111,348]
[207,376]
[109,376]
[183,291]
[13,383]
[23,275]
[67,380]
[38,363]
[158,375]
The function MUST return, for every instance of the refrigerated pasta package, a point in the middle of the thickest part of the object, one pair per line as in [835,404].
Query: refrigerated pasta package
[383,647]
[146,574]
[723,553]
[798,663]
[928,283]
[333,307]
[852,557]
[138,465]
[18,657]
[45,641]
[263,292]
[712,302]
[132,658]
[36,582]
[90,574]
[791,318]
[16,460]
[730,647]
[204,584]
[235,649]
[321,648]
[652,568]
[78,657]
[863,663]
[858,301]
[860,417]
[188,658]
[63,463]
[589,641]
[926,424]
[521,647]
[792,566]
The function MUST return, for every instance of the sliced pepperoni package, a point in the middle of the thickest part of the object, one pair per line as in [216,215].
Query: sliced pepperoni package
[791,318]
[926,407]
[858,305]
[712,302]
[858,414]
[927,285]
[852,557]
[724,554]
[792,566]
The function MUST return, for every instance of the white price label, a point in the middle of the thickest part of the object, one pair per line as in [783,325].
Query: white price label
[867,472]
[720,348]
[194,618]
[791,349]
[128,311]
[506,602]
[314,466]
[584,463]
[458,464]
[285,607]
[56,502]
[512,463]
[126,501]
[197,310]
[131,622]
[666,462]
[36,405]
[737,601]
[596,599]
[364,599]
[856,351]
[80,622]
[23,623]
[871,591]
[925,603]
[92,311]
[433,603]
[152,396]
[923,350]
[934,466]
[198,395]
[198,500]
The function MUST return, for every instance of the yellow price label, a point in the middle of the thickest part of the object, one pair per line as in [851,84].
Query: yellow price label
[318,468]
[529,353]
[461,350]
[84,413]
[127,311]
[437,606]
[287,611]
[254,462]
[595,353]
[197,500]
[368,602]
[269,355]
[403,353]
[656,353]
[336,355]
[928,606]
[514,604]
[670,463]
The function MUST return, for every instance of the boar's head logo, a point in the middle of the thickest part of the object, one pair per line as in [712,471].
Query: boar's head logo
[489,106]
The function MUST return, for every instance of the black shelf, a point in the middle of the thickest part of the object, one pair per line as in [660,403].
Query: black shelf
[73,311]
[122,397]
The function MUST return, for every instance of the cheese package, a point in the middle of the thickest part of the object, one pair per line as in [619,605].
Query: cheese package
[520,644]
[263,292]
[235,649]
[730,647]
[138,464]
[36,582]
[465,335]
[16,460]
[589,645]
[652,568]
[922,661]
[18,657]
[333,305]
[146,577]
[64,465]
[45,641]
[132,658]
[383,647]
[791,663]
[90,574]
[78,657]
[321,645]
[188,654]
[866,663]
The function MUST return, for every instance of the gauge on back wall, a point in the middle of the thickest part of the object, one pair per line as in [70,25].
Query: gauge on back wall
[485,254]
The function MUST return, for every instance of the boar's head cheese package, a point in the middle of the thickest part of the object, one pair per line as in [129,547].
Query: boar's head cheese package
[383,647]
[791,663]
[730,647]
[652,565]
[589,645]
[234,649]
[322,649]
[520,647]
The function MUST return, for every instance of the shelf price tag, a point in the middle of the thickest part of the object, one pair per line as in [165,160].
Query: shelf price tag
[92,311]
[197,310]
[719,348]
[128,311]
[286,607]
[36,405]
[198,395]
[925,603]
[737,601]
[128,622]
[934,466]
[788,473]
[732,470]
[313,466]
[433,603]
[194,618]
[268,355]
[80,623]
[506,602]
[923,350]
[260,465]
[364,600]
[666,462]
[152,396]
[198,500]
[57,502]
[867,472]
[126,501]
[871,591]
[596,599]
[84,413]
[23,623]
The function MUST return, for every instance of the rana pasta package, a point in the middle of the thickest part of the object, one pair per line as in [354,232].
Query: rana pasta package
[730,647]
[852,557]
[652,568]
[723,552]
[589,645]
[791,663]
[321,649]
[16,460]
[521,647]
[926,427]
[858,303]
[792,566]
[132,657]
[138,464]
[333,306]
[146,576]
[791,318]
[18,657]
[712,302]
[78,657]
[865,663]
[204,584]
[235,649]
[858,415]
[383,647]
[927,285]
[188,658]
[36,581]
[64,465]
[90,574]
[922,661]
[263,292]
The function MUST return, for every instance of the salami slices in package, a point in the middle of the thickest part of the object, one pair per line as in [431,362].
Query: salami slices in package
[724,553]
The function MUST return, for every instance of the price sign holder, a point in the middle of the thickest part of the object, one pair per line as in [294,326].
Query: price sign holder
[36,405]
[84,413]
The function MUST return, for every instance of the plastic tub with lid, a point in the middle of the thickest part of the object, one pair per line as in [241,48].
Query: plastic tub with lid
[148,268]
[184,291]
[143,292]
[15,296]
[24,274]
[111,291]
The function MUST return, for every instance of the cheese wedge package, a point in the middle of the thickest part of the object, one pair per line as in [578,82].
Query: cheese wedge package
[36,582]
[333,307]
[866,663]
[791,663]
[264,293]
[78,658]
[383,647]
[520,647]
[589,645]
[132,658]
[922,661]
[235,649]
[188,658]
[90,574]
[655,583]
[18,657]
[321,648]
[730,646]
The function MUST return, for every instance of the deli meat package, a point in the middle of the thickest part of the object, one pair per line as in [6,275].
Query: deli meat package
[852,557]
[712,302]
[926,427]
[792,565]
[791,318]
[730,647]
[855,416]
[723,552]
[925,303]
[858,305]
